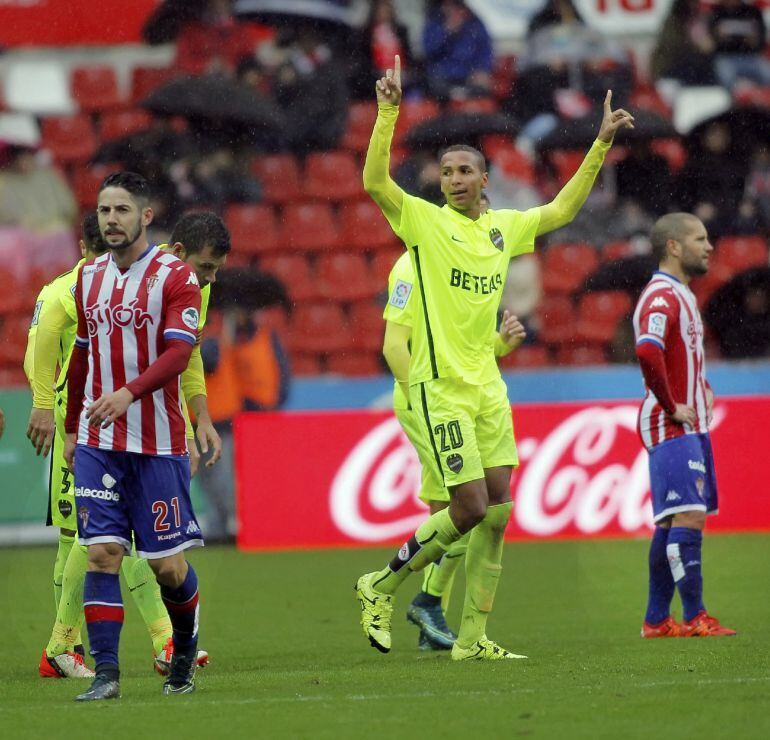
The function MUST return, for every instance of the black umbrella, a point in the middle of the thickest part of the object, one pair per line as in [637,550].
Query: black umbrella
[739,314]
[748,126]
[212,101]
[167,19]
[580,133]
[459,128]
[630,274]
[249,289]
[330,20]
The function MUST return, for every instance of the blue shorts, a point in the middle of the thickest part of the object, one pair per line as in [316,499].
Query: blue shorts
[120,493]
[682,476]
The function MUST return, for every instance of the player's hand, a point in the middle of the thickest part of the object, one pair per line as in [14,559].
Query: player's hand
[208,436]
[613,120]
[709,406]
[105,410]
[684,414]
[388,88]
[41,429]
[512,331]
[69,452]
[195,456]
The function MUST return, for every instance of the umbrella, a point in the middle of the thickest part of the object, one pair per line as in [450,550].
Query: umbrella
[458,128]
[331,20]
[580,133]
[222,102]
[158,144]
[249,289]
[748,128]
[630,274]
[163,26]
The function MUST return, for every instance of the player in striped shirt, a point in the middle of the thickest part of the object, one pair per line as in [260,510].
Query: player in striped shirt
[673,425]
[138,313]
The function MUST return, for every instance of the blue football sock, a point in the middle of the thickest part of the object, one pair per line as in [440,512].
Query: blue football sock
[684,557]
[182,606]
[103,607]
[661,581]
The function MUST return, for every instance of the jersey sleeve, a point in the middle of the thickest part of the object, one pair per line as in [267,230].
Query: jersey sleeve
[182,297]
[417,217]
[658,314]
[518,229]
[205,296]
[52,320]
[400,306]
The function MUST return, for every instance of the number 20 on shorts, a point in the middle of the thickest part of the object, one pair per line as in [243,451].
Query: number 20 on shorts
[449,433]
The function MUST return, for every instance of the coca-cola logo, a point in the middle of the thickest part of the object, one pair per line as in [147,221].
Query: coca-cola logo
[587,475]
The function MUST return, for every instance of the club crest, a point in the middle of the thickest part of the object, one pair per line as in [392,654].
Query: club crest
[152,281]
[496,238]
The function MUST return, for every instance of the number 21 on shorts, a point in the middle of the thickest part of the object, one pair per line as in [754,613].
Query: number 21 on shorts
[160,509]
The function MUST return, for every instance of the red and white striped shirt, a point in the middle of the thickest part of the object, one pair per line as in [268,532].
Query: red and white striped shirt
[125,319]
[667,315]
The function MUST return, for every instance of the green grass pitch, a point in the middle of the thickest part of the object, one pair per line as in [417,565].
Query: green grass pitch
[288,659]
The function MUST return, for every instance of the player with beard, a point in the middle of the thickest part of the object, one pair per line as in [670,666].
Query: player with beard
[674,423]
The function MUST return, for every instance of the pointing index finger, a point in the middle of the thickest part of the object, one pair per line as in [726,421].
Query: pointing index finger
[608,101]
[397,70]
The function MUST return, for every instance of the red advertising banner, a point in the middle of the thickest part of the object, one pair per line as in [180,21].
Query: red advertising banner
[343,478]
[71,22]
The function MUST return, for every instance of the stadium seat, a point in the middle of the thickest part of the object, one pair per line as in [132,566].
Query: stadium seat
[474,105]
[280,177]
[513,163]
[362,226]
[617,250]
[361,117]
[557,317]
[383,263]
[96,89]
[319,327]
[253,228]
[86,181]
[367,325]
[599,314]
[304,364]
[412,112]
[529,356]
[117,124]
[672,150]
[739,253]
[69,138]
[356,363]
[293,270]
[565,163]
[503,75]
[308,227]
[566,266]
[345,277]
[581,355]
[332,176]
[11,301]
[145,80]
[706,285]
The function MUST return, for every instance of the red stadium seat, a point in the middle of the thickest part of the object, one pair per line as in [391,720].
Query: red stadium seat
[514,164]
[363,226]
[319,327]
[280,177]
[145,80]
[304,364]
[253,229]
[117,124]
[557,317]
[474,105]
[293,270]
[96,89]
[345,277]
[333,176]
[10,300]
[412,112]
[383,263]
[672,150]
[361,117]
[356,363]
[529,356]
[577,355]
[565,163]
[69,138]
[86,182]
[367,325]
[503,75]
[308,227]
[739,253]
[566,266]
[616,251]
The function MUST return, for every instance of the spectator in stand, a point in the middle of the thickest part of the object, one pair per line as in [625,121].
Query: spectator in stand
[375,47]
[215,43]
[684,50]
[458,52]
[758,184]
[645,177]
[420,175]
[738,30]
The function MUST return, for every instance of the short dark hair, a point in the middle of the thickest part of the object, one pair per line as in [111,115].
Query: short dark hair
[671,226]
[92,235]
[200,229]
[129,181]
[465,148]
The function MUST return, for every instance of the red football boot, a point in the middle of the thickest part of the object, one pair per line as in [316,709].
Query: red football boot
[703,625]
[669,627]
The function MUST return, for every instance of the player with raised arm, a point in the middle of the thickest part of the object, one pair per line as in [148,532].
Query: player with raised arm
[138,314]
[460,257]
[674,421]
[427,610]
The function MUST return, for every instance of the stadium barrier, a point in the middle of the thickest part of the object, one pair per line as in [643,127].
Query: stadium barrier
[351,478]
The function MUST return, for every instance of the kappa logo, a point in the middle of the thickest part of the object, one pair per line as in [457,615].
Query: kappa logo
[659,302]
[673,496]
[192,279]
[698,465]
[193,528]
[190,317]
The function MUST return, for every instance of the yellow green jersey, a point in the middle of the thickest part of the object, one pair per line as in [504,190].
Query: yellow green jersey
[460,267]
[399,310]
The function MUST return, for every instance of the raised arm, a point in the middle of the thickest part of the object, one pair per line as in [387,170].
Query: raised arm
[377,180]
[566,205]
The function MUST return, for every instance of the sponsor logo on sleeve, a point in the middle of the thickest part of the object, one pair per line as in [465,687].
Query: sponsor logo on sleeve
[656,324]
[400,295]
[36,314]
[190,317]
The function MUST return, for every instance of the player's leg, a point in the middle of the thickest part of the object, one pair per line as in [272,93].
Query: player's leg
[494,431]
[658,621]
[164,527]
[104,526]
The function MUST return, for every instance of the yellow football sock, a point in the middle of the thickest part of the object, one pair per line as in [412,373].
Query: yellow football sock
[69,615]
[439,576]
[482,571]
[146,594]
[65,545]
